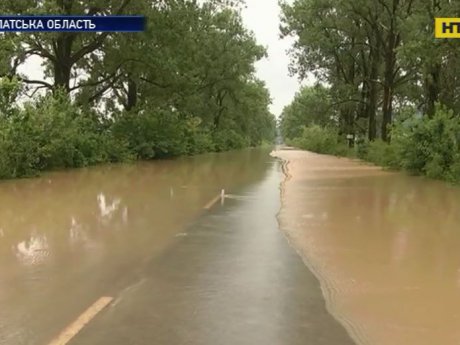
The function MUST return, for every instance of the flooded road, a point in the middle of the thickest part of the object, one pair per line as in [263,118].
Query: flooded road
[68,238]
[385,247]
[180,269]
[163,263]
[231,279]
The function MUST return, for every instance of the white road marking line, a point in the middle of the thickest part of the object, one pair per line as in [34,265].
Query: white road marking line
[220,197]
[212,202]
[72,330]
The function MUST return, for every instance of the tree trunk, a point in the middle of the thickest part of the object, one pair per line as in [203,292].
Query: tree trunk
[131,97]
[62,63]
[371,114]
[388,85]
[220,106]
[346,121]
[432,88]
[62,76]
[373,90]
[387,110]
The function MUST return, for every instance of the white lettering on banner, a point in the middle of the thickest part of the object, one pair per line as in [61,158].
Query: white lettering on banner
[21,24]
[49,24]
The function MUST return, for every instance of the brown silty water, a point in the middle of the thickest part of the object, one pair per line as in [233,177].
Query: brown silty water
[68,238]
[384,245]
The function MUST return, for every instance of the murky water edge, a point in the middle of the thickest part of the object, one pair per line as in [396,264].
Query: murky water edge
[384,246]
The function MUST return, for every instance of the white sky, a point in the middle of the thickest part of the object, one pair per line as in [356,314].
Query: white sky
[262,17]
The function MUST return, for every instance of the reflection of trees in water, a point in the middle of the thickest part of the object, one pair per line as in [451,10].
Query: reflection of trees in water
[107,209]
[77,233]
[33,251]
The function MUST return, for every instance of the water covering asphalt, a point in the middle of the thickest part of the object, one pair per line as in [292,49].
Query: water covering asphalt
[230,278]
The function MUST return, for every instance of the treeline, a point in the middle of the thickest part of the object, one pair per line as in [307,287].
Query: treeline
[184,86]
[382,78]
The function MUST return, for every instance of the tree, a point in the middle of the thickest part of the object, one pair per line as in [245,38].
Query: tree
[64,53]
[311,106]
[186,85]
[356,47]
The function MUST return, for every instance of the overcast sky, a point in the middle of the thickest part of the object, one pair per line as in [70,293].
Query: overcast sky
[262,17]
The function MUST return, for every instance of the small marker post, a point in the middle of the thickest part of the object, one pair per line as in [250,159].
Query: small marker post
[222,196]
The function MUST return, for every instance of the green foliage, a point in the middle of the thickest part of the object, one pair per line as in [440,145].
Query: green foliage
[151,134]
[311,105]
[52,134]
[453,174]
[160,133]
[9,90]
[378,152]
[386,78]
[376,56]
[429,146]
[362,149]
[198,139]
[420,145]
[184,86]
[319,139]
[229,139]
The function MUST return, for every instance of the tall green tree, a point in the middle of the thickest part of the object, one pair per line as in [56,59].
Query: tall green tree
[311,106]
[376,55]
[186,85]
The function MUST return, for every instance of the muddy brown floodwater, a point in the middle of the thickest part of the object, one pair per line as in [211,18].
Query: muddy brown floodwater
[68,238]
[385,247]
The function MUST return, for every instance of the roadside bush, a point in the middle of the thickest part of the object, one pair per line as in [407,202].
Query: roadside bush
[229,139]
[199,139]
[321,140]
[151,134]
[53,134]
[381,153]
[453,174]
[429,146]
[342,149]
[362,149]
[420,145]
